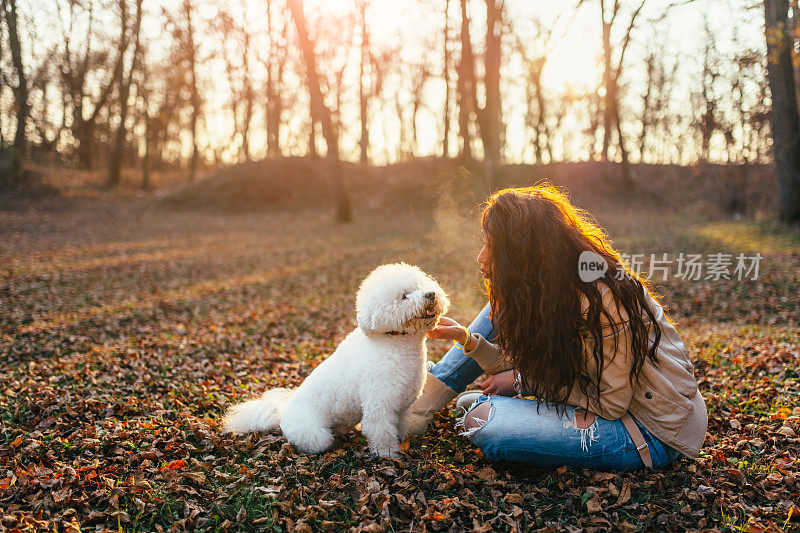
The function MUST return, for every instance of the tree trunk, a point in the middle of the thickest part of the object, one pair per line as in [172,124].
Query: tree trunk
[489,119]
[275,66]
[492,124]
[535,119]
[248,93]
[229,70]
[541,117]
[248,119]
[115,167]
[2,117]
[148,138]
[195,97]
[313,153]
[147,144]
[465,151]
[627,178]
[86,127]
[785,121]
[343,210]
[648,103]
[362,91]
[611,76]
[85,135]
[466,85]
[20,92]
[446,76]
[607,75]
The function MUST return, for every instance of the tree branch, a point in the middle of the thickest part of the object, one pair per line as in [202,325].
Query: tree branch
[628,38]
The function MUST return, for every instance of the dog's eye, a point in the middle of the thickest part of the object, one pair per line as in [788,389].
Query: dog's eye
[405,297]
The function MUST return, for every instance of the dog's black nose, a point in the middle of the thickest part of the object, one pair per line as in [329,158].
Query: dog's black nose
[430,295]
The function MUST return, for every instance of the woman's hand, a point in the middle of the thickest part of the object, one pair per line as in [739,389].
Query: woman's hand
[448,329]
[501,384]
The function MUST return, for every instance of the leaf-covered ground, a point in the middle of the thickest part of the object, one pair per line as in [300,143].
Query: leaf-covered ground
[126,330]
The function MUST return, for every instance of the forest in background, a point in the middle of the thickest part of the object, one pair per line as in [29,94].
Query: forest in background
[106,85]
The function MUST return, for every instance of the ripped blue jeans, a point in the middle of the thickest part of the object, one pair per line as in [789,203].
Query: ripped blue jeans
[528,431]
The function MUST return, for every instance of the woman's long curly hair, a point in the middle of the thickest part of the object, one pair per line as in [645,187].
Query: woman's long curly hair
[535,237]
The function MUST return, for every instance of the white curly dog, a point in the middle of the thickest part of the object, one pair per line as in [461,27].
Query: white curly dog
[373,377]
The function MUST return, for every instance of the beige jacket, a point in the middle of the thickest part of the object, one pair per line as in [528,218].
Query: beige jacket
[664,398]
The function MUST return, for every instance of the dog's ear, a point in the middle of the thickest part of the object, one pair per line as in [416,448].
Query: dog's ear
[364,317]
[364,308]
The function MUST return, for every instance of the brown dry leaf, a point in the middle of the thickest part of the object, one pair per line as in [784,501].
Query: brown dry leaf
[594,504]
[486,473]
[625,493]
[774,478]
[302,527]
[121,353]
[603,476]
[483,528]
[197,477]
[372,528]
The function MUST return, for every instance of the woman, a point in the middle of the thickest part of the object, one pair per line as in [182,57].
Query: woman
[613,385]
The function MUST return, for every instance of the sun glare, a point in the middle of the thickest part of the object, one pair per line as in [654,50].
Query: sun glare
[572,63]
[331,6]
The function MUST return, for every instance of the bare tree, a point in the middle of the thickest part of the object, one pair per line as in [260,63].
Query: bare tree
[248,93]
[467,99]
[76,73]
[491,115]
[363,94]
[20,89]
[236,55]
[125,81]
[275,65]
[319,109]
[163,88]
[709,116]
[419,75]
[749,101]
[144,92]
[48,131]
[224,24]
[534,52]
[659,83]
[190,49]
[785,120]
[333,60]
[612,69]
[446,77]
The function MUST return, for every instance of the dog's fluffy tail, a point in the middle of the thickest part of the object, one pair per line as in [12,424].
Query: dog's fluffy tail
[263,414]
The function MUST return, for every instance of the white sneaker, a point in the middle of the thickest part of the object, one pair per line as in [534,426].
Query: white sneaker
[466,399]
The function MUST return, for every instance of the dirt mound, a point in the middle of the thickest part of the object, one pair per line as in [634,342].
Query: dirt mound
[293,182]
[274,182]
